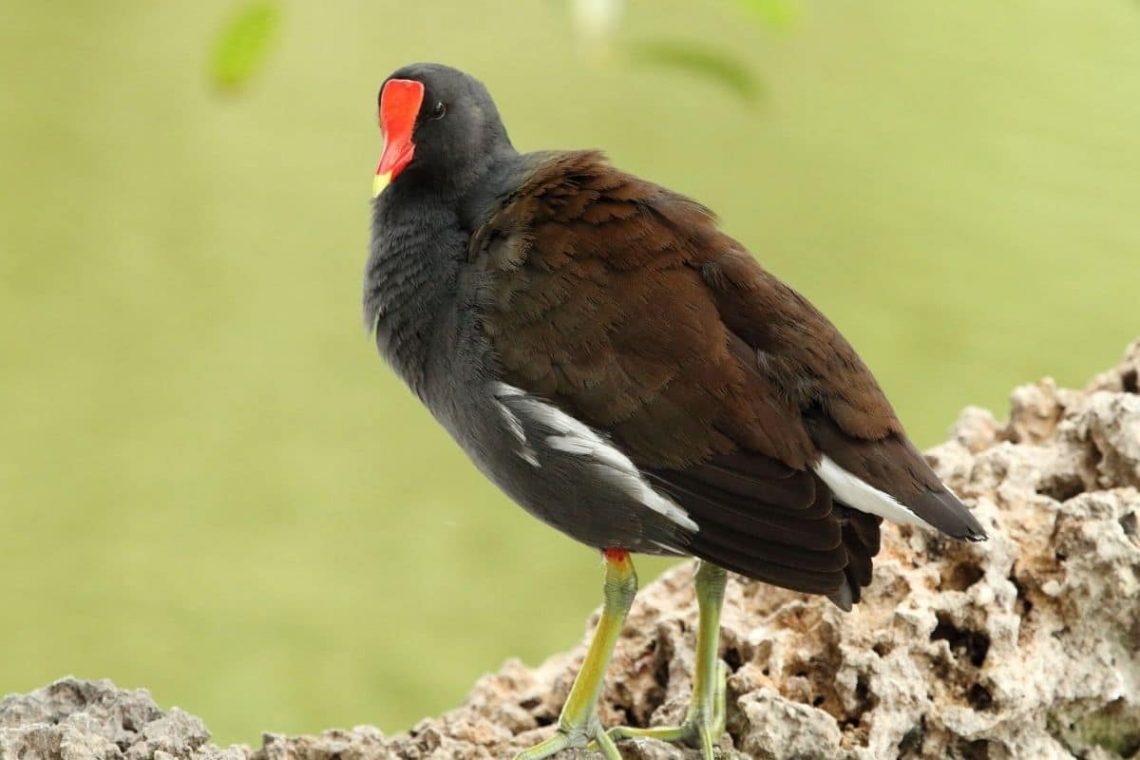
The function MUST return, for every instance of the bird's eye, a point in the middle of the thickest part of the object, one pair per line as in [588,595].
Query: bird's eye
[439,110]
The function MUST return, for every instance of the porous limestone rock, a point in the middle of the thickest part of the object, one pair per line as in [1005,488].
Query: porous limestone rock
[1025,646]
[92,720]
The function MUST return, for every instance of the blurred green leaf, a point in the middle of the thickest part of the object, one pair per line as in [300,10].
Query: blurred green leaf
[703,60]
[777,13]
[243,44]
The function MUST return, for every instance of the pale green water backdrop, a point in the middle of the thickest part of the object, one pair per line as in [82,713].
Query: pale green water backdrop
[210,486]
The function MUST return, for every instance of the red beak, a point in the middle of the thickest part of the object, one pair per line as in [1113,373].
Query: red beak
[400,102]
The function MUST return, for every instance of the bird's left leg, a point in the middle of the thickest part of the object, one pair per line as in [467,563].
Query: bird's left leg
[578,725]
[704,722]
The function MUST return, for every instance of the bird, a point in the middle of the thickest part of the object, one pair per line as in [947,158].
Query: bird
[631,375]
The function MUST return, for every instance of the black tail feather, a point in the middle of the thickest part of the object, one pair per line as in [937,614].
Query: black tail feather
[763,520]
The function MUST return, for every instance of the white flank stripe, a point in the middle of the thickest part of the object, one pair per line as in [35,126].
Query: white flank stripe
[502,390]
[573,437]
[860,494]
[514,424]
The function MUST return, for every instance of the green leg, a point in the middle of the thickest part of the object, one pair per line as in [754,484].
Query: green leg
[704,722]
[578,725]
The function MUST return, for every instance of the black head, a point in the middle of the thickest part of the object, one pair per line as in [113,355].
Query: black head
[441,129]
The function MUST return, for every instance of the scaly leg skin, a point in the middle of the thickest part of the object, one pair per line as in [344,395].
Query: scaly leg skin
[578,725]
[704,722]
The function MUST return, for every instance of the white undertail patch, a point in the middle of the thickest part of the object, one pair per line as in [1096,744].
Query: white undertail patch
[574,437]
[858,493]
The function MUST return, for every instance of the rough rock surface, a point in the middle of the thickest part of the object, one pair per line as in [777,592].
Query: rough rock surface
[92,720]
[1026,646]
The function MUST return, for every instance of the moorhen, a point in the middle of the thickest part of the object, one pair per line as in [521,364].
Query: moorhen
[630,375]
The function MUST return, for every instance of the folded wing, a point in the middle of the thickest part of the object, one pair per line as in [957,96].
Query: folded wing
[622,304]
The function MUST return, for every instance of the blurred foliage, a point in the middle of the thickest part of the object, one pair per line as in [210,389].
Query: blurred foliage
[598,22]
[775,13]
[242,45]
[244,42]
[703,60]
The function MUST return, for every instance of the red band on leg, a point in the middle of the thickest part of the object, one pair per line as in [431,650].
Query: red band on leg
[616,555]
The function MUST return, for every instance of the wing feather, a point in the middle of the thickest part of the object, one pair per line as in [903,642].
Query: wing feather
[623,304]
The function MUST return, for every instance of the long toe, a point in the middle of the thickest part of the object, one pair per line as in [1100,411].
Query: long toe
[546,748]
[569,739]
[701,730]
[703,733]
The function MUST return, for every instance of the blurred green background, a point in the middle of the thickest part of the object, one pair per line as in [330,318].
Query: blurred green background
[210,485]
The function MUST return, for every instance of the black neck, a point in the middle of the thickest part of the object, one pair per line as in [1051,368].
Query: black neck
[419,243]
[410,276]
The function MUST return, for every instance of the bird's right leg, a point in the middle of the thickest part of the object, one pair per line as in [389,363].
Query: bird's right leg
[578,725]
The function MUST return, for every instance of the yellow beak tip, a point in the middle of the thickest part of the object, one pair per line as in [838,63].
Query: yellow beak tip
[379,182]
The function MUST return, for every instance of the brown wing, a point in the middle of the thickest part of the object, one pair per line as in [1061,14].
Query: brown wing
[843,409]
[624,305]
